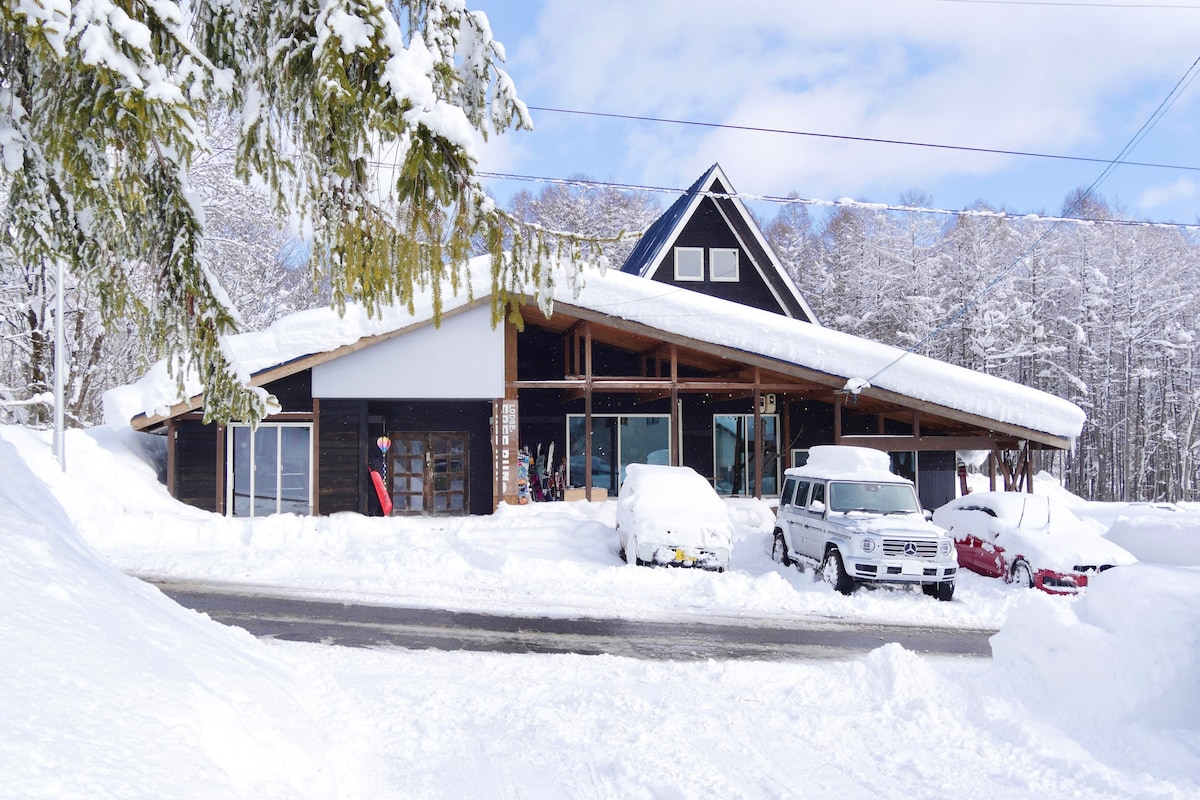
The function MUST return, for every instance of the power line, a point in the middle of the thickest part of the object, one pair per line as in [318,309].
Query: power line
[844,137]
[843,203]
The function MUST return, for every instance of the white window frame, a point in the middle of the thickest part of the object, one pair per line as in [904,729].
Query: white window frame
[229,459]
[712,265]
[679,274]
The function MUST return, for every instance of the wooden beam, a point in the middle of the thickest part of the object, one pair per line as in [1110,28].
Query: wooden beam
[920,443]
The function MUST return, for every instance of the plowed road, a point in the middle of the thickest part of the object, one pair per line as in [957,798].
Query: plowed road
[360,625]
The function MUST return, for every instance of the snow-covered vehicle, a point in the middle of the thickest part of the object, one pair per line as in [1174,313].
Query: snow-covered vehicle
[847,514]
[672,516]
[1027,539]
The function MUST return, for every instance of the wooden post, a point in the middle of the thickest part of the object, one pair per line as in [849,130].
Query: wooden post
[676,456]
[171,456]
[315,444]
[222,468]
[837,418]
[587,412]
[758,437]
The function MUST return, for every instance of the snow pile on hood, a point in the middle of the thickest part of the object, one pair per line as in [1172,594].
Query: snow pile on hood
[97,663]
[848,463]
[1120,661]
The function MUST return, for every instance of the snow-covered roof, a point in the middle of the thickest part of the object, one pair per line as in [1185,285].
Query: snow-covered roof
[667,309]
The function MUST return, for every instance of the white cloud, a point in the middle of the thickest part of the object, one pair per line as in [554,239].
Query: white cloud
[1045,79]
[1182,190]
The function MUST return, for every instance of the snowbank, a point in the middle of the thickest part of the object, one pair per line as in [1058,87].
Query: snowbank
[1160,536]
[114,691]
[98,664]
[1118,666]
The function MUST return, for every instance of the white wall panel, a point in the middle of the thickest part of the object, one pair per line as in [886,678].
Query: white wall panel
[464,358]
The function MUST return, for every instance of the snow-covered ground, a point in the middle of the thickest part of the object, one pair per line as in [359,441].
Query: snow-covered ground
[112,690]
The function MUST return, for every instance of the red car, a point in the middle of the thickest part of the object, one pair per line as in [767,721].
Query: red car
[1028,540]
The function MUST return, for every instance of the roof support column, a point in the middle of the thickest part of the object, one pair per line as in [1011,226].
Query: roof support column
[676,453]
[837,418]
[222,469]
[587,411]
[758,434]
[171,456]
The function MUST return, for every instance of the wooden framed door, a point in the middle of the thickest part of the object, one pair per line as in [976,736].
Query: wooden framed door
[429,471]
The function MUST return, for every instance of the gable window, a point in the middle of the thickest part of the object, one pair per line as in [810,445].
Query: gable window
[269,469]
[723,263]
[689,263]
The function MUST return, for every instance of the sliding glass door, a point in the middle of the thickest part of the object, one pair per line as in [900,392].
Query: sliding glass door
[269,469]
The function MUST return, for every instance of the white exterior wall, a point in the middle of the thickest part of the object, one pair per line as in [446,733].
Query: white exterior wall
[464,358]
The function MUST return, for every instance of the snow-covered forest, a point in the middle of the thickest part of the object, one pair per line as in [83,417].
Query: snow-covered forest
[1104,315]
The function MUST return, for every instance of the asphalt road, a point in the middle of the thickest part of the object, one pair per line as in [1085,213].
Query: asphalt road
[361,625]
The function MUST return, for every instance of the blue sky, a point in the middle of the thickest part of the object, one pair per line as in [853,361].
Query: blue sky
[1069,78]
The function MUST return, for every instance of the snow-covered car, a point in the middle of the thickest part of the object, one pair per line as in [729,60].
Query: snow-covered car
[847,514]
[672,516]
[1027,539]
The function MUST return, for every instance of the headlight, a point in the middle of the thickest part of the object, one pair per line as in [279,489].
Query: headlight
[868,545]
[946,545]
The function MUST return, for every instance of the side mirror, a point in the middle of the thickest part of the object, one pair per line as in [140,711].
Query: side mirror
[816,507]
[925,512]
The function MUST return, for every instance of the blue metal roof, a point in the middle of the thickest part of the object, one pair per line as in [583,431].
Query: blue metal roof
[663,228]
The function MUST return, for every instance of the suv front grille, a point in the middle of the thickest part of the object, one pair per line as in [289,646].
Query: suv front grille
[895,548]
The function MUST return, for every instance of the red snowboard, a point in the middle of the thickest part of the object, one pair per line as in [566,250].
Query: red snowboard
[384,501]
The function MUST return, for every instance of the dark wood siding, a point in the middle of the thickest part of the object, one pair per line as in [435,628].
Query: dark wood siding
[708,228]
[293,392]
[196,464]
[343,456]
[936,475]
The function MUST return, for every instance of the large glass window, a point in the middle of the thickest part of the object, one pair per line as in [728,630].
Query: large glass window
[617,441]
[734,450]
[270,469]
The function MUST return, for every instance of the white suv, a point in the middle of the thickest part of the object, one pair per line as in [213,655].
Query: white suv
[847,514]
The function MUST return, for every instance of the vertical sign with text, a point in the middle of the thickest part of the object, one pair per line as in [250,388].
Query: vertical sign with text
[506,449]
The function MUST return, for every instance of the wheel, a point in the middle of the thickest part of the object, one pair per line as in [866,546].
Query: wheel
[942,591]
[1022,575]
[834,572]
[779,550]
